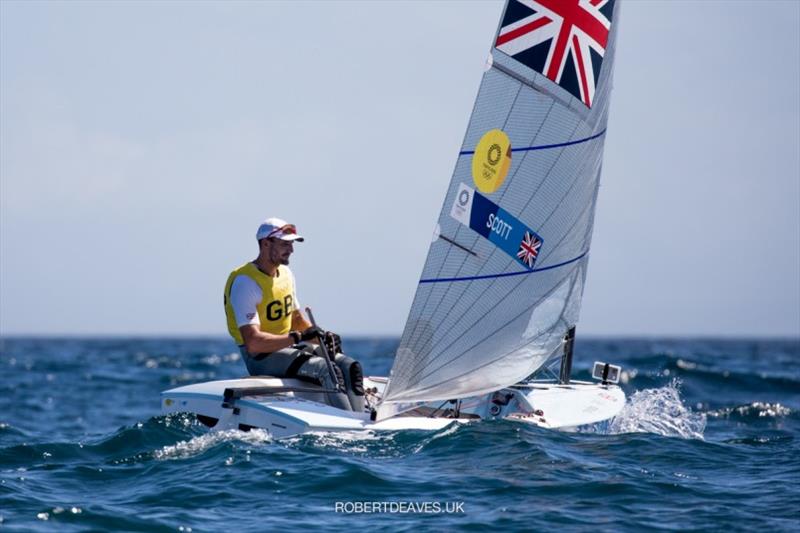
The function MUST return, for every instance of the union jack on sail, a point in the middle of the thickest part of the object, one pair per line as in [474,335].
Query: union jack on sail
[529,249]
[564,40]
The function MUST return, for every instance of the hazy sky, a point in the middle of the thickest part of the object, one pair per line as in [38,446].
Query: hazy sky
[142,143]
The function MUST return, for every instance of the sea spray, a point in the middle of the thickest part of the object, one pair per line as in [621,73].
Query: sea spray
[660,411]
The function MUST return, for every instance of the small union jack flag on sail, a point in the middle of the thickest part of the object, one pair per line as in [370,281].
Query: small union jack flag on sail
[564,40]
[529,249]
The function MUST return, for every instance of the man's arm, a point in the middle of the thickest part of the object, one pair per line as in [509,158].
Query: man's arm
[257,341]
[299,321]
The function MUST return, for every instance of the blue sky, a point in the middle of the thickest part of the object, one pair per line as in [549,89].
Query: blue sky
[141,144]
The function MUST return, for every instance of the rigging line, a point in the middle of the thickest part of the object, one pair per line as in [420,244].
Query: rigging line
[545,146]
[505,274]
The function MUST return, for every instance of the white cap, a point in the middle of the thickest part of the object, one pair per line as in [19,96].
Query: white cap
[276,228]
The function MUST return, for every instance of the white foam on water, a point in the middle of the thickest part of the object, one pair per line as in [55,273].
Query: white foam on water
[660,411]
[359,442]
[197,445]
[347,441]
[762,409]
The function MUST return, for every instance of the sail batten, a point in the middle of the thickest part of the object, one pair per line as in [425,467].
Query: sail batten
[504,275]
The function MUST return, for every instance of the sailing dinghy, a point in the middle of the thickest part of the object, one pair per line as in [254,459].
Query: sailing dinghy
[491,328]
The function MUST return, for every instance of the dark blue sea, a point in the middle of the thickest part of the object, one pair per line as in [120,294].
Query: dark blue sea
[709,440]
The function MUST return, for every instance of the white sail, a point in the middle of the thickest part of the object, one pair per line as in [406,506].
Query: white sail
[504,275]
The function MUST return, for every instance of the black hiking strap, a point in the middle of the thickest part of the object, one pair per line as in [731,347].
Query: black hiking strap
[299,361]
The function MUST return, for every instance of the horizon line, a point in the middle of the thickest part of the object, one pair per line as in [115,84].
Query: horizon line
[224,336]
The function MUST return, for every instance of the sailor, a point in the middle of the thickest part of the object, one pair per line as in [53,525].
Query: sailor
[273,335]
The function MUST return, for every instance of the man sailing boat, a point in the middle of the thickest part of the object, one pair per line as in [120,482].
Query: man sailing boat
[273,335]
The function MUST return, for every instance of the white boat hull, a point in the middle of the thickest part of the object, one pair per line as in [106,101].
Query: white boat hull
[284,414]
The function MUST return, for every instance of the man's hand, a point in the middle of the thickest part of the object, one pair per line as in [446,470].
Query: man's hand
[333,343]
[311,334]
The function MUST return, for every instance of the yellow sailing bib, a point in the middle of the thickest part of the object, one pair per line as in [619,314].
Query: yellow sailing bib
[276,305]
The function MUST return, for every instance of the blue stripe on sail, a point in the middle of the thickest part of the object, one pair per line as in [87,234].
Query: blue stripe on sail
[544,146]
[506,274]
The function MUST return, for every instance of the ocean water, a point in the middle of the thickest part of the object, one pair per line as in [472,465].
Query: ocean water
[709,440]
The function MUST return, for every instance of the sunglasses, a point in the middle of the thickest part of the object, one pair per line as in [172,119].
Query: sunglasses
[288,229]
